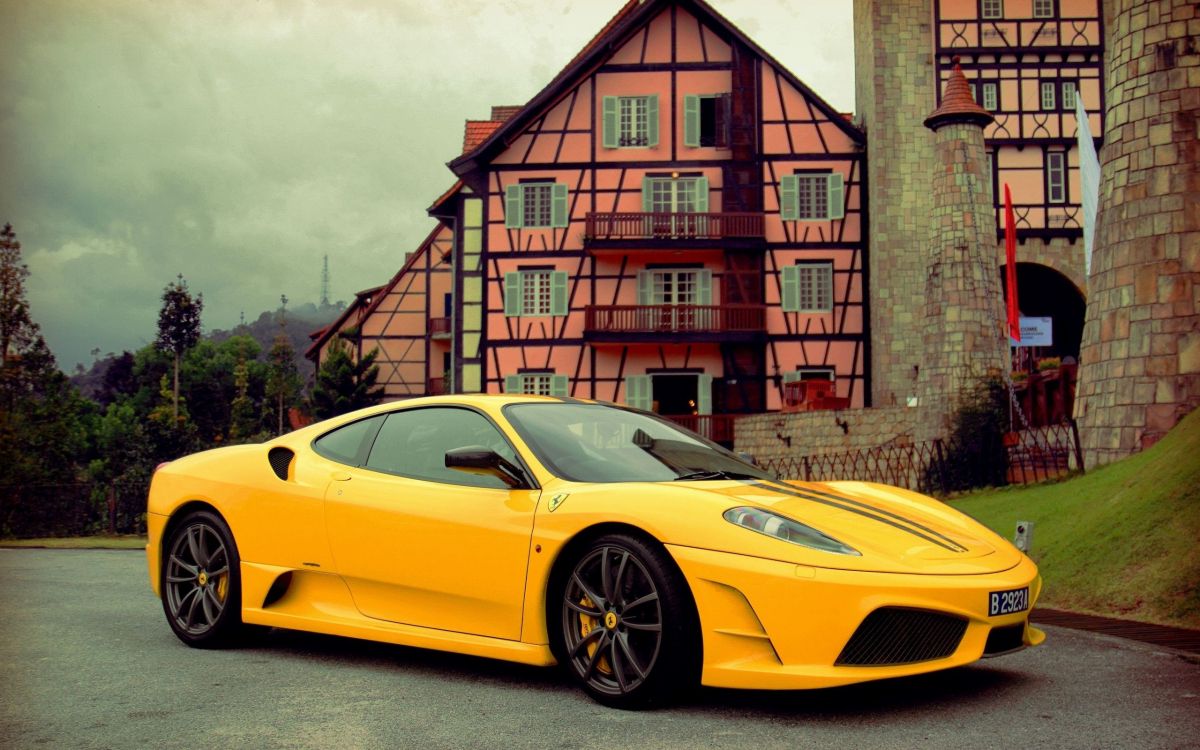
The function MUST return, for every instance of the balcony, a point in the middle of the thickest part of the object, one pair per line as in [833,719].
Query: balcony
[634,229]
[716,427]
[439,328]
[679,322]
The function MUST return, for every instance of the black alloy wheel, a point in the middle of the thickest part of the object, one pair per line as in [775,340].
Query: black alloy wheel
[627,630]
[201,587]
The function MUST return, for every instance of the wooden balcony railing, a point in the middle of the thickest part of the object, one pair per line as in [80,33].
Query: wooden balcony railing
[436,386]
[638,225]
[675,318]
[716,427]
[439,327]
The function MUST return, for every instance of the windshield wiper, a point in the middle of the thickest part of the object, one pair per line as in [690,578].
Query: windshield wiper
[714,474]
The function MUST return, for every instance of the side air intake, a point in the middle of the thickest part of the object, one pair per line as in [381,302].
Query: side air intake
[280,459]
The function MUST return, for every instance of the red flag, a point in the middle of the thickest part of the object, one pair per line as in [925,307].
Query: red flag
[1010,267]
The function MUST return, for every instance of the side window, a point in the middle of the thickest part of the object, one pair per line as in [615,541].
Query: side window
[349,444]
[413,443]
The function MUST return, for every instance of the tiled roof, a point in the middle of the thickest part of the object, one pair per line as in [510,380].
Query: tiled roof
[477,132]
[957,103]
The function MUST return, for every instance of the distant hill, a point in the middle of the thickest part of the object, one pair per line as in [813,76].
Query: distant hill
[301,320]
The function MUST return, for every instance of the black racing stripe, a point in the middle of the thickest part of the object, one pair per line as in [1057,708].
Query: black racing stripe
[842,506]
[881,511]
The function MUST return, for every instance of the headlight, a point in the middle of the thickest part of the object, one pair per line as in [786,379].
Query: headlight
[773,524]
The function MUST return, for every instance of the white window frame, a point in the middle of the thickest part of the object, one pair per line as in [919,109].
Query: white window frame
[675,286]
[536,294]
[990,95]
[546,383]
[1070,90]
[1043,8]
[808,287]
[538,204]
[633,121]
[991,9]
[1048,95]
[1056,177]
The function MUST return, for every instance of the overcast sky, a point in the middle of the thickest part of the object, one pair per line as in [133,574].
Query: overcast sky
[239,141]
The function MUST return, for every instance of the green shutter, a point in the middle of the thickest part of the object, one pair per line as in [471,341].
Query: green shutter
[558,386]
[514,207]
[609,122]
[647,194]
[704,287]
[637,391]
[834,189]
[691,120]
[645,288]
[788,207]
[512,293]
[791,289]
[702,195]
[791,376]
[512,384]
[704,393]
[652,120]
[558,206]
[558,293]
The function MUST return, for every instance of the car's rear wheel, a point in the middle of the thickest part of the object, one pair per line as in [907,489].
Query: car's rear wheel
[201,587]
[627,629]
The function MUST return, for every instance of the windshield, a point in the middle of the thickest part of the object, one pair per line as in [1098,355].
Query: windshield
[597,443]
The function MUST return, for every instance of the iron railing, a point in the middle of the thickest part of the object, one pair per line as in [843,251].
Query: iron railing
[55,510]
[439,328]
[675,318]
[637,225]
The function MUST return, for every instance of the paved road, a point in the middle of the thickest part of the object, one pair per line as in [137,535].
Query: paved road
[88,662]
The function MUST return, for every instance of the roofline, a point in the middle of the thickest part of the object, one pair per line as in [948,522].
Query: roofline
[600,49]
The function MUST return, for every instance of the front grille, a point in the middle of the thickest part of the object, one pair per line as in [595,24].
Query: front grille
[280,458]
[902,636]
[1005,639]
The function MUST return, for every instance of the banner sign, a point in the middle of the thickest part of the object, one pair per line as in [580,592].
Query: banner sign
[1035,332]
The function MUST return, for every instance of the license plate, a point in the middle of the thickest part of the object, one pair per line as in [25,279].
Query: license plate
[1007,602]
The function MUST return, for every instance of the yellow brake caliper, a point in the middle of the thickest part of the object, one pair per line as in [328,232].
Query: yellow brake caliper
[587,624]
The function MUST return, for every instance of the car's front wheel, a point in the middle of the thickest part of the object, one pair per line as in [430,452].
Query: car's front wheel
[201,587]
[627,629]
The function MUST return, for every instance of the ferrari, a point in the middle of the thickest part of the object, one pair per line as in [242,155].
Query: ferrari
[641,557]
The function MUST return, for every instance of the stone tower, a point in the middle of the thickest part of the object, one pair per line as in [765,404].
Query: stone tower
[894,83]
[1140,360]
[964,336]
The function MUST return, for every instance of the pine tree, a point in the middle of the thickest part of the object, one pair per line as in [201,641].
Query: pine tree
[178,326]
[344,385]
[283,380]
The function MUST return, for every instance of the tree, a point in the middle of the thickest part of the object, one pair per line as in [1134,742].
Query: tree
[283,380]
[178,326]
[344,385]
[19,335]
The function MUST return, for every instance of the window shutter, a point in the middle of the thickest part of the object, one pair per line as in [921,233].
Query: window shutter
[637,391]
[702,195]
[558,212]
[558,386]
[514,207]
[704,287]
[834,190]
[791,376]
[652,120]
[512,293]
[558,293]
[645,288]
[691,120]
[788,209]
[609,122]
[791,289]
[704,393]
[512,384]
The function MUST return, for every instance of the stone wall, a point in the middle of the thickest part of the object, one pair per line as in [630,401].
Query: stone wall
[777,435]
[1140,361]
[894,90]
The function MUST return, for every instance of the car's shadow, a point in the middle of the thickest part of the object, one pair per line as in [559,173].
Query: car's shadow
[933,693]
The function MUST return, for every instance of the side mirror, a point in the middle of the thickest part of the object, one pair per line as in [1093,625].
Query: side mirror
[476,459]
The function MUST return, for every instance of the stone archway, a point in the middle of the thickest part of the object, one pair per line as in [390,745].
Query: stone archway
[1044,292]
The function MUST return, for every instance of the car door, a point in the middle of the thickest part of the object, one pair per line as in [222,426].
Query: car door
[425,545]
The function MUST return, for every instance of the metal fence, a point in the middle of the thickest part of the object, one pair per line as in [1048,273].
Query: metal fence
[56,510]
[940,467]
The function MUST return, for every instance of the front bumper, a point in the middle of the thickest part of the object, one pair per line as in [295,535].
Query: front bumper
[776,625]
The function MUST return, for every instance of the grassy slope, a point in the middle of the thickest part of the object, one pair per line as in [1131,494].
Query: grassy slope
[1122,540]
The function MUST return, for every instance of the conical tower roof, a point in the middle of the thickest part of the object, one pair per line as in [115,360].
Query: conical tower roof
[957,104]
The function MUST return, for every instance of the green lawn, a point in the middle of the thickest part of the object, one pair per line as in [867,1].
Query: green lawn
[1122,540]
[123,541]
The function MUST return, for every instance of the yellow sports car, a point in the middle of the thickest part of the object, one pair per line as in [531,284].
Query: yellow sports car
[549,530]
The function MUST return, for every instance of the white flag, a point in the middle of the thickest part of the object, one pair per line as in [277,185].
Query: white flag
[1089,181]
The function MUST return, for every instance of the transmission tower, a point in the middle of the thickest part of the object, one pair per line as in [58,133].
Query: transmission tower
[325,283]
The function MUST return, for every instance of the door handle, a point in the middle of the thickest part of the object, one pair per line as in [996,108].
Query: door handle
[340,476]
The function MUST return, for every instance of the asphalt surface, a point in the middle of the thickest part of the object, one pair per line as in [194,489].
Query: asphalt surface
[89,662]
